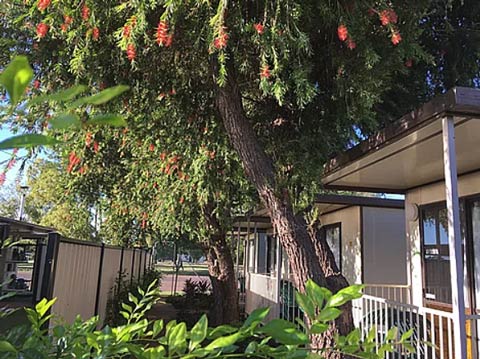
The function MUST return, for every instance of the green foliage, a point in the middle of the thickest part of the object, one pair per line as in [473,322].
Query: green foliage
[140,338]
[124,289]
[15,79]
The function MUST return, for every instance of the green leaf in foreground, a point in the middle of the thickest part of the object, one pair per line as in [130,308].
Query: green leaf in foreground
[284,332]
[60,96]
[65,120]
[6,347]
[16,77]
[101,97]
[108,120]
[28,140]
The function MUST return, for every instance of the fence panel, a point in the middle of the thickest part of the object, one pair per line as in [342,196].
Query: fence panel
[76,280]
[127,263]
[110,269]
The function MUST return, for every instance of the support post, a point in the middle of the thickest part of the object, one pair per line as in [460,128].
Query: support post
[132,269]
[278,254]
[237,259]
[454,237]
[99,280]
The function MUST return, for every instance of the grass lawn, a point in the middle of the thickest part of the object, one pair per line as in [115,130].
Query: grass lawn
[188,269]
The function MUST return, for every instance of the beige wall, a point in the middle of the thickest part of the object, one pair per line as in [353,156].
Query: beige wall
[467,185]
[384,246]
[351,246]
[76,279]
[110,267]
[262,292]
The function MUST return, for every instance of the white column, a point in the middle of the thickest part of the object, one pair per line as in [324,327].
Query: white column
[454,237]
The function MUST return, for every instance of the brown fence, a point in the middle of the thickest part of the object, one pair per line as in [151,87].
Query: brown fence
[81,275]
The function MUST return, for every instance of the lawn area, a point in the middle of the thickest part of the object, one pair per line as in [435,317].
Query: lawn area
[188,269]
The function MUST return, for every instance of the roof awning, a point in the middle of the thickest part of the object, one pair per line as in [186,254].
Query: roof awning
[326,203]
[409,153]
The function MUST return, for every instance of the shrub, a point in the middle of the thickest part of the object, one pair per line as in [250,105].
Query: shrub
[140,338]
[120,293]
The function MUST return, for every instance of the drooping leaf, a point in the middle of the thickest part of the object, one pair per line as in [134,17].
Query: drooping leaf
[65,120]
[101,97]
[60,96]
[27,140]
[256,316]
[107,120]
[16,77]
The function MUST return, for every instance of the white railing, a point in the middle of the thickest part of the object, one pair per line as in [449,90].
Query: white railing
[395,292]
[430,326]
[473,335]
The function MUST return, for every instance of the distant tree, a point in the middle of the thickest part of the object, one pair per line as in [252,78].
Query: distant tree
[49,203]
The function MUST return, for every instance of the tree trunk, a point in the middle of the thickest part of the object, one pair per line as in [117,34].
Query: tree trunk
[224,308]
[292,231]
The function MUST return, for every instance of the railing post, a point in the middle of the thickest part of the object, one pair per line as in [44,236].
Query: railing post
[99,280]
[133,266]
[50,265]
[454,237]
[120,271]
[48,280]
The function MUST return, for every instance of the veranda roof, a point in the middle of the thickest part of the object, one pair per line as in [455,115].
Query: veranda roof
[409,152]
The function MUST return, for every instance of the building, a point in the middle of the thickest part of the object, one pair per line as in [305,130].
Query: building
[366,235]
[432,156]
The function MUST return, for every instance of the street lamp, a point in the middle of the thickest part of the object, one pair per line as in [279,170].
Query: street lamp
[23,193]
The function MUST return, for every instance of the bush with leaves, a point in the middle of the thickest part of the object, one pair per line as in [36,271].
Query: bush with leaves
[140,338]
[122,291]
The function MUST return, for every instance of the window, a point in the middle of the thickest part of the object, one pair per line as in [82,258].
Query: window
[333,236]
[263,254]
[436,253]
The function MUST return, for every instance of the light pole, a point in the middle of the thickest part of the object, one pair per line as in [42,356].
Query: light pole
[23,193]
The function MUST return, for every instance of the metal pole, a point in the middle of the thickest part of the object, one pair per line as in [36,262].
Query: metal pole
[23,190]
[454,237]
[237,261]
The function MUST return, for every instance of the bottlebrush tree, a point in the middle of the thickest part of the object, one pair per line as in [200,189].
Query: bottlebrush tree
[287,82]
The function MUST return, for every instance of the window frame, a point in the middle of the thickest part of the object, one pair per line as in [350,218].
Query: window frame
[335,225]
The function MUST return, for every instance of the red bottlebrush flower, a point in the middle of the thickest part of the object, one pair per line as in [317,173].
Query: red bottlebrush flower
[259,28]
[163,155]
[342,32]
[43,4]
[95,33]
[396,37]
[126,31]
[96,146]
[131,52]
[15,151]
[42,29]
[36,84]
[220,42]
[3,177]
[67,19]
[11,163]
[88,139]
[82,170]
[265,72]
[162,32]
[73,160]
[85,12]
[64,27]
[351,44]
[169,41]
[409,63]
[144,223]
[173,92]
[388,16]
[181,200]
[151,148]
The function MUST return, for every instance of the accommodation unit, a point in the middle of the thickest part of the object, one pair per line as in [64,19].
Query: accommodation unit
[432,157]
[366,235]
